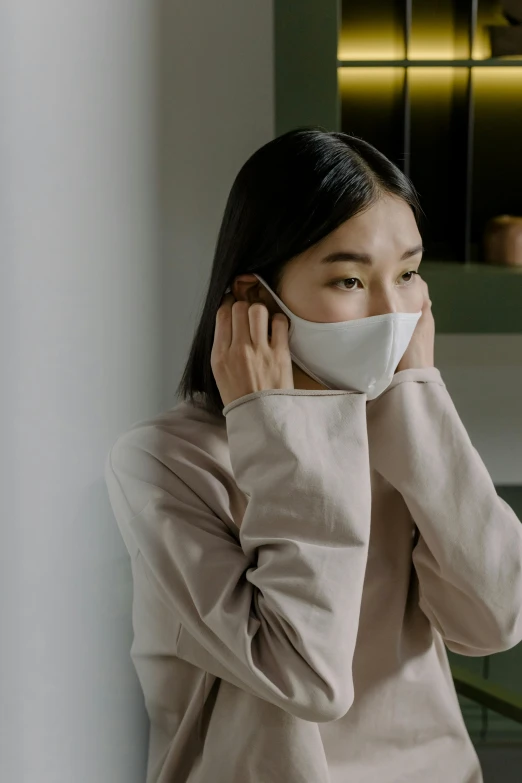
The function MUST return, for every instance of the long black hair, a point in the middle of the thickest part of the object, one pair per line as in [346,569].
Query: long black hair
[290,193]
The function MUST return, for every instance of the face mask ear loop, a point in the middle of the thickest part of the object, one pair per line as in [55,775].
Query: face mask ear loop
[281,304]
[296,361]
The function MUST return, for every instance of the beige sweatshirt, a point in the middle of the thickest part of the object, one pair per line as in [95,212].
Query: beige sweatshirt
[298,565]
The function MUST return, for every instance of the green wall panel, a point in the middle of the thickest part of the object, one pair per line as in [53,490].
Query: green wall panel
[306,35]
[474,298]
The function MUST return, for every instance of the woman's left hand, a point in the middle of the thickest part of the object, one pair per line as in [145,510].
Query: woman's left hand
[421,349]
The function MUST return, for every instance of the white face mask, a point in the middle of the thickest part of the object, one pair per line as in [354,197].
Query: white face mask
[358,355]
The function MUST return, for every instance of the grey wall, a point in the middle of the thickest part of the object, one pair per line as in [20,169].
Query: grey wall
[483,373]
[217,107]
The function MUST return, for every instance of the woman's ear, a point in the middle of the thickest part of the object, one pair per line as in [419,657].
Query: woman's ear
[247,288]
[244,288]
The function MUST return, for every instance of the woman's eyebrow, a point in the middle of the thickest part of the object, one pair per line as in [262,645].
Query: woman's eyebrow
[364,258]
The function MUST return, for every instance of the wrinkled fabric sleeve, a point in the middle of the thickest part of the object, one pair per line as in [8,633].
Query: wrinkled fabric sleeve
[276,613]
[468,557]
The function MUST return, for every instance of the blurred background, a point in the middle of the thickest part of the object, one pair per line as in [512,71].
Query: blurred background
[124,124]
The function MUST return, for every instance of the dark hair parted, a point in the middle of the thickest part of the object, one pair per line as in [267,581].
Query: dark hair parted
[290,194]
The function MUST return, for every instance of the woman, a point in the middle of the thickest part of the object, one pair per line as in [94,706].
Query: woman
[311,524]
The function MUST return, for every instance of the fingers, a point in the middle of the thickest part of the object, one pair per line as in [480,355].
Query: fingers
[280,327]
[240,324]
[250,324]
[258,319]
[223,329]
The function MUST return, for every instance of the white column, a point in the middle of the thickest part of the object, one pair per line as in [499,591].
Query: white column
[123,124]
[83,359]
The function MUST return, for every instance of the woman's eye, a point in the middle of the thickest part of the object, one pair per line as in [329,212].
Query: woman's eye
[412,275]
[341,283]
[346,280]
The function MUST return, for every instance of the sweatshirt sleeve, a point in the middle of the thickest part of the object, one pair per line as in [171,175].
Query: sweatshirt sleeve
[468,557]
[275,613]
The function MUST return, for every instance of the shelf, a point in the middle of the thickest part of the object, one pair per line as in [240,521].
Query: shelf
[456,135]
[488,63]
[474,298]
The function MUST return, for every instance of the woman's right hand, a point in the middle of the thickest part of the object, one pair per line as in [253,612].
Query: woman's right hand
[244,358]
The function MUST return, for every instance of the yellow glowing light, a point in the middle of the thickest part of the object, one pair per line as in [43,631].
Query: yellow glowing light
[435,82]
[364,85]
[370,54]
[380,76]
[432,53]
[438,73]
[433,85]
[498,80]
[424,47]
[370,45]
[420,56]
[481,48]
[432,35]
